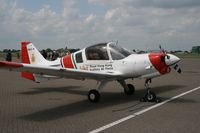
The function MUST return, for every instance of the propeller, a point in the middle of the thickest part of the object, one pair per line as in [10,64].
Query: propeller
[164,52]
[163,59]
[177,68]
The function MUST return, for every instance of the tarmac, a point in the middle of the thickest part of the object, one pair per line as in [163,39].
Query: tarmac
[61,106]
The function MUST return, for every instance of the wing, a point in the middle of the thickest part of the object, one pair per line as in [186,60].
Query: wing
[59,72]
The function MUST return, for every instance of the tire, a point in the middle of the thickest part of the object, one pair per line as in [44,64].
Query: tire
[150,96]
[158,100]
[93,96]
[142,99]
[130,90]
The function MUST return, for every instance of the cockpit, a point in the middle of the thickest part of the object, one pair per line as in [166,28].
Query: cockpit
[106,51]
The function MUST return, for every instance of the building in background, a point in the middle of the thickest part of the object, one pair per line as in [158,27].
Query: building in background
[196,49]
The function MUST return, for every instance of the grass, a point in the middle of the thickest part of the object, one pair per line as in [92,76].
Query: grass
[1,54]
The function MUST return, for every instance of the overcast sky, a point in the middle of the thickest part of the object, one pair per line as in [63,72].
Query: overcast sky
[135,24]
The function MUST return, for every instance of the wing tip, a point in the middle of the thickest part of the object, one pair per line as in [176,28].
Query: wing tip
[10,64]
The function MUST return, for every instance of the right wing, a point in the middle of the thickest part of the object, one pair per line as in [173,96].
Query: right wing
[59,72]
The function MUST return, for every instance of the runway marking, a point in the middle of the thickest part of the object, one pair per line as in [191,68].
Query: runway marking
[141,112]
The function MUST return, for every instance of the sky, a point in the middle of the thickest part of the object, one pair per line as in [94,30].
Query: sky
[135,24]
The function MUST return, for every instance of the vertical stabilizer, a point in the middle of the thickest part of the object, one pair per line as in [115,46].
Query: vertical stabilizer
[30,55]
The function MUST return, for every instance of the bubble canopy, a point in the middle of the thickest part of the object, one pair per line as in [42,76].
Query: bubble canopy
[101,52]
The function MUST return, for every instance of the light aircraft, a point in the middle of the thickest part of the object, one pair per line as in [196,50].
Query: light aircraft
[103,62]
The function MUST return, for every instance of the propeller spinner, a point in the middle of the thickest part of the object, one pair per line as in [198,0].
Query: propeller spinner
[171,60]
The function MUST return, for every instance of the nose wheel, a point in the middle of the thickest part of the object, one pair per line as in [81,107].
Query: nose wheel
[150,96]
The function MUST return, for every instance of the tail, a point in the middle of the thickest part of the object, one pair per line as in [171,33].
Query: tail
[30,55]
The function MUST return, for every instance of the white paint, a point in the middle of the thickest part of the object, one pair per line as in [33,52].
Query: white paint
[36,57]
[141,112]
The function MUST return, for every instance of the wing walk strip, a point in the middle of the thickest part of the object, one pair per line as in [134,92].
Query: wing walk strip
[141,112]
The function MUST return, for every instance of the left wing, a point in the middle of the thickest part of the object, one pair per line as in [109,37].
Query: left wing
[58,71]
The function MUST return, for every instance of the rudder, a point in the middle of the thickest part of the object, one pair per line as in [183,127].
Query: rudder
[30,55]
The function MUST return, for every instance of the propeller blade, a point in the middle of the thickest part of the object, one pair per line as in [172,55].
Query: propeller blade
[177,68]
[160,47]
[164,52]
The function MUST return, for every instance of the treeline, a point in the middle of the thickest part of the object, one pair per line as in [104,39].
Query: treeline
[48,50]
[12,50]
[49,54]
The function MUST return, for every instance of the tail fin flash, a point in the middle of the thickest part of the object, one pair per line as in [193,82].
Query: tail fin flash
[30,55]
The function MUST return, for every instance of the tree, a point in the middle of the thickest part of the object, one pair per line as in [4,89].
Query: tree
[5,50]
[48,50]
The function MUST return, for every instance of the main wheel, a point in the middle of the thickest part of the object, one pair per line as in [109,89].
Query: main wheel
[129,90]
[150,96]
[93,96]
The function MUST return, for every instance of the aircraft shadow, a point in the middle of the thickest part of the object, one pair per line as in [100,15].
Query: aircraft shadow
[108,99]
[66,89]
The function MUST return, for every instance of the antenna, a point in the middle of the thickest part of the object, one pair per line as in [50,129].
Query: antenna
[117,42]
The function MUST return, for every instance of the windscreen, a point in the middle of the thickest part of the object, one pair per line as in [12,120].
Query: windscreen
[118,52]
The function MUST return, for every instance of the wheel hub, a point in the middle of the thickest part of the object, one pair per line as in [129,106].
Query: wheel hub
[149,97]
[92,96]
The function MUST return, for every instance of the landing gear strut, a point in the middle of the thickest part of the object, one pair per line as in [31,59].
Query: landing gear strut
[150,96]
[129,89]
[94,95]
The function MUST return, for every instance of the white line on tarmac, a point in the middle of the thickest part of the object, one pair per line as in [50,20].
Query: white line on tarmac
[141,112]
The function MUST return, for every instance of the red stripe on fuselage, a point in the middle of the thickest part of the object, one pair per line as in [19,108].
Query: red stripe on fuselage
[161,66]
[25,59]
[67,61]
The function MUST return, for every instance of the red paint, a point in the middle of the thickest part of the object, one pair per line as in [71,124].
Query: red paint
[10,64]
[161,66]
[25,59]
[28,76]
[67,61]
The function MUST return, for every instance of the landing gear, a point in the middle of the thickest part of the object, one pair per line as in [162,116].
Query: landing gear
[129,89]
[150,96]
[94,95]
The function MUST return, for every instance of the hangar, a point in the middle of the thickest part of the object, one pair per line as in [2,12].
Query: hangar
[196,49]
